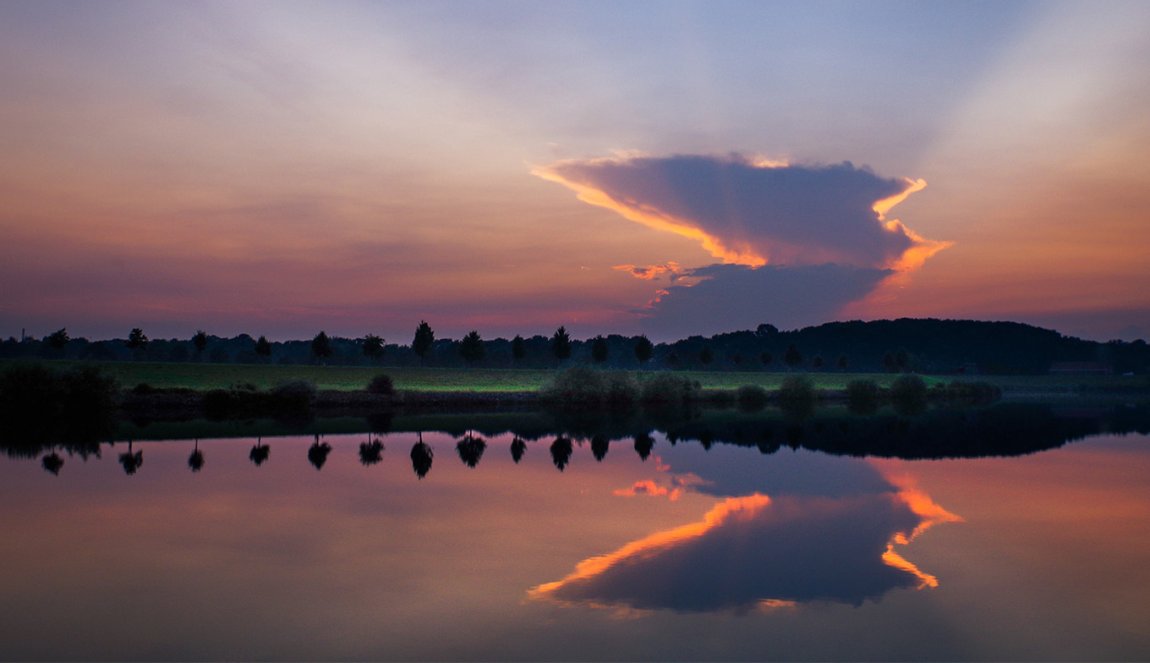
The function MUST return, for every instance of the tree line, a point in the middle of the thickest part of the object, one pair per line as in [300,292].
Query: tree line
[903,345]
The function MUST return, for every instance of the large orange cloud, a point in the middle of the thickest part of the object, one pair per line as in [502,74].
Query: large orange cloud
[750,212]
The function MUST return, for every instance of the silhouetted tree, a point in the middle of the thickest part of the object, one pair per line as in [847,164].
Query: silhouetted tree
[518,348]
[561,450]
[643,445]
[196,459]
[793,357]
[317,453]
[843,362]
[372,346]
[471,347]
[424,338]
[561,344]
[817,362]
[421,457]
[131,460]
[57,339]
[518,447]
[200,341]
[259,453]
[321,346]
[706,356]
[643,349]
[52,463]
[471,448]
[600,444]
[766,358]
[263,347]
[370,452]
[137,340]
[599,349]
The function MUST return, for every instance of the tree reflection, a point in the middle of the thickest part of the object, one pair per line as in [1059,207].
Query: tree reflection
[600,443]
[259,453]
[643,445]
[518,447]
[317,453]
[471,449]
[196,460]
[421,457]
[131,460]
[561,450]
[52,463]
[370,452]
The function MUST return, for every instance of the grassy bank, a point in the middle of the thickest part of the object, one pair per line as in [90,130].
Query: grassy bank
[206,376]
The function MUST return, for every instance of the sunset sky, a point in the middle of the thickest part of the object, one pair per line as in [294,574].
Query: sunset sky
[667,168]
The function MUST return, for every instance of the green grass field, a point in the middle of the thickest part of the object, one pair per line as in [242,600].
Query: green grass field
[349,378]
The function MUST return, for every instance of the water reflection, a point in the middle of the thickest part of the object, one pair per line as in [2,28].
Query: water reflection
[471,449]
[196,459]
[52,463]
[370,452]
[259,453]
[644,443]
[561,450]
[317,453]
[421,457]
[805,542]
[518,448]
[131,460]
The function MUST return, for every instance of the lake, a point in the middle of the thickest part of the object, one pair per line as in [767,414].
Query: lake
[723,536]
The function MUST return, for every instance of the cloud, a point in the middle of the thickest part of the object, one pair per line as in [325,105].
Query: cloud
[753,551]
[749,212]
[797,243]
[725,297]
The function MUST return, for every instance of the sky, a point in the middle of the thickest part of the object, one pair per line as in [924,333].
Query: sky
[667,168]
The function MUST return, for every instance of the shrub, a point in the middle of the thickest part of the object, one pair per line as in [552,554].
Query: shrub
[668,389]
[577,386]
[751,397]
[382,385]
[863,396]
[908,394]
[620,389]
[293,394]
[796,389]
[797,395]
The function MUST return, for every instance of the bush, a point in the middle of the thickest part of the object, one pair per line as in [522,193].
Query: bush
[751,397]
[293,394]
[620,390]
[863,396]
[41,407]
[796,389]
[578,386]
[908,394]
[797,395]
[668,389]
[382,385]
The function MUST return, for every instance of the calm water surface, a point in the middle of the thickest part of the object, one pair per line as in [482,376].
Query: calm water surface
[690,553]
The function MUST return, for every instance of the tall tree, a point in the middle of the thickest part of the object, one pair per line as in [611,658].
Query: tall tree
[599,349]
[200,340]
[706,355]
[471,347]
[424,338]
[321,346]
[372,346]
[793,357]
[57,339]
[263,347]
[643,349]
[561,344]
[518,348]
[137,339]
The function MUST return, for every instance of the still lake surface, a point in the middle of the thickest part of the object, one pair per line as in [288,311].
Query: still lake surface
[657,546]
